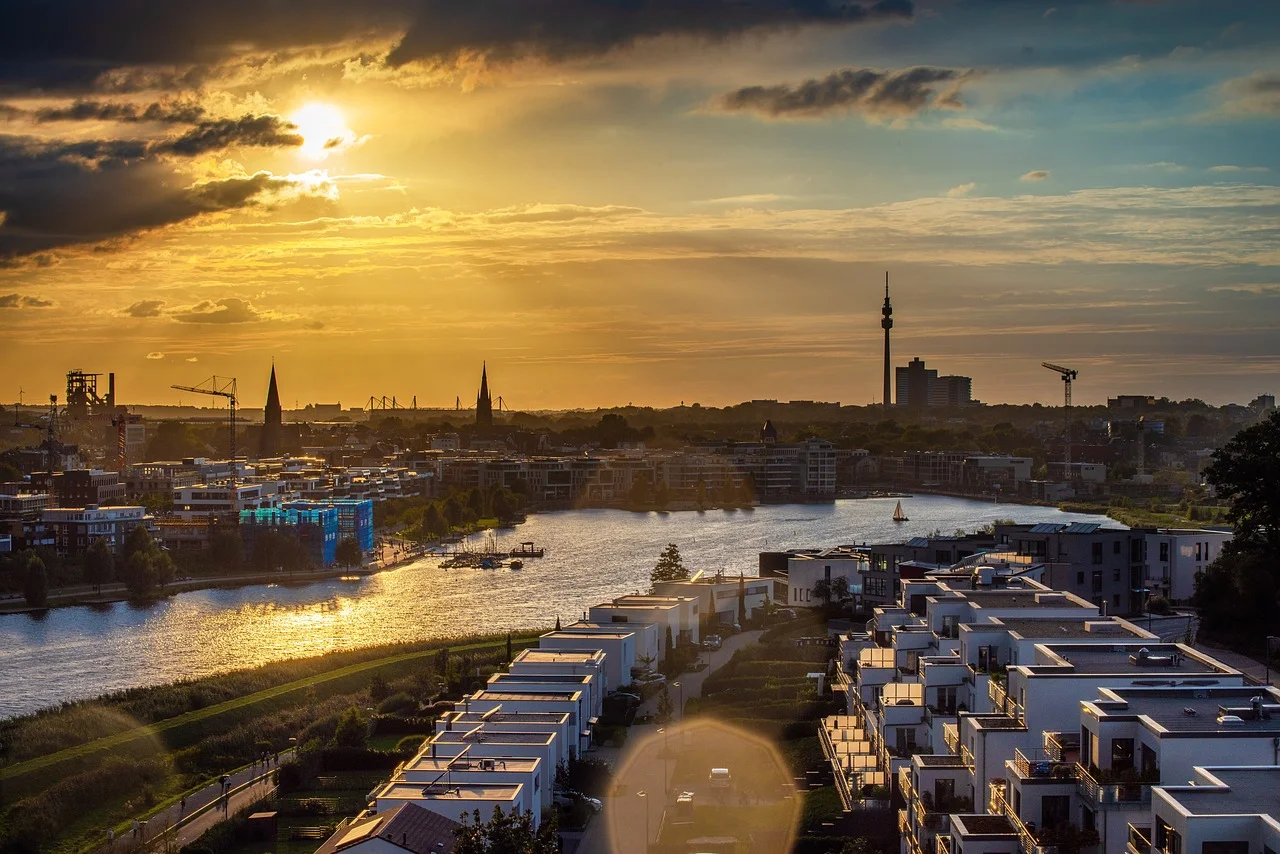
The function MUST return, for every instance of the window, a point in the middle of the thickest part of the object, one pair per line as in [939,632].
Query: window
[1121,754]
[1055,810]
[1097,553]
[1198,551]
[1115,574]
[1097,581]
[1115,600]
[1233,847]
[1080,578]
[1164,552]
[1115,547]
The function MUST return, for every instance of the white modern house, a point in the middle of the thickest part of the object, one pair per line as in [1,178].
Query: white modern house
[453,801]
[1175,555]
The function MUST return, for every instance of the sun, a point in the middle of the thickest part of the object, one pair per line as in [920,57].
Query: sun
[323,129]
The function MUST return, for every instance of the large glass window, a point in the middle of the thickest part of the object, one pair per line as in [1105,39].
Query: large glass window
[1121,754]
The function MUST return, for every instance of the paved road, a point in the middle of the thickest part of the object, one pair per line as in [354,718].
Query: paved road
[627,809]
[1243,663]
[174,816]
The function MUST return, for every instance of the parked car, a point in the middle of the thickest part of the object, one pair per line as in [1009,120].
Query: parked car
[626,696]
[569,799]
[712,642]
[647,679]
[720,780]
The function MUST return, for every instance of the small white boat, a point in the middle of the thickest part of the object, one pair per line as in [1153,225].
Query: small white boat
[517,564]
[898,514]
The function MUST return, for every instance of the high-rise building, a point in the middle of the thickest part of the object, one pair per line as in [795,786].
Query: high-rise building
[886,323]
[272,423]
[484,403]
[920,386]
[914,382]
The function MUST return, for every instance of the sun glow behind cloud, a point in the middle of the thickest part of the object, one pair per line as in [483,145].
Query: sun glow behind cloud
[323,128]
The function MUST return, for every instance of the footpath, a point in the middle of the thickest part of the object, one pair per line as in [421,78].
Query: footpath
[181,823]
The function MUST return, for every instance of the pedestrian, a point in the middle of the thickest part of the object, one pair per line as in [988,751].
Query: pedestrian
[182,805]
[111,837]
[135,828]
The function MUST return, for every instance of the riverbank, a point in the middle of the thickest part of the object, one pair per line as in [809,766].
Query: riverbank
[109,594]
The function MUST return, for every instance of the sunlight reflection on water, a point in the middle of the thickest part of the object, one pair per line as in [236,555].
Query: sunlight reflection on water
[592,555]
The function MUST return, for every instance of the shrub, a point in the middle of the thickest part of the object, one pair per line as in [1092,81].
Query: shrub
[410,744]
[398,704]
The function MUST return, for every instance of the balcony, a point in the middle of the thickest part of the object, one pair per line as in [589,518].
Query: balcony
[951,736]
[1001,702]
[1062,746]
[1139,840]
[1042,765]
[942,844]
[1114,794]
[965,756]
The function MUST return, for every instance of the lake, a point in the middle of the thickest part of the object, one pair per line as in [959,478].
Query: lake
[592,556]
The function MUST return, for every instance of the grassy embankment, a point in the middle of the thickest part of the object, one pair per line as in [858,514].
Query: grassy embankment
[130,753]
[1152,516]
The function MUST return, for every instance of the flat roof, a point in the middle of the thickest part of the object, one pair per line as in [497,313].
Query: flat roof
[1023,598]
[984,825]
[499,716]
[1065,627]
[454,792]
[484,736]
[1243,791]
[1191,710]
[557,656]
[465,764]
[543,678]
[516,696]
[1160,659]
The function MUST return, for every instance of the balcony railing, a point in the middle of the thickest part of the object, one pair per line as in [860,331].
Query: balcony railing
[1139,840]
[942,843]
[1118,795]
[951,736]
[965,756]
[1001,701]
[1042,765]
[1058,744]
[1026,841]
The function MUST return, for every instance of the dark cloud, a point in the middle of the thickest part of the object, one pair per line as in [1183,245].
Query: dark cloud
[57,195]
[554,30]
[163,112]
[23,301]
[145,308]
[230,310]
[265,130]
[69,45]
[866,90]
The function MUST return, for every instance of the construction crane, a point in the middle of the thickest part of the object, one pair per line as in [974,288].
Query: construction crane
[223,387]
[51,431]
[1067,376]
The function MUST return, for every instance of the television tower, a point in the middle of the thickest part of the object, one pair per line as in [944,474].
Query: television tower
[887,323]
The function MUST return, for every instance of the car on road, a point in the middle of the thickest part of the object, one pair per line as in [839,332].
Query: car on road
[712,642]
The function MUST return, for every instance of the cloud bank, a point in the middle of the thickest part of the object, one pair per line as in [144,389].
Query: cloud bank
[876,93]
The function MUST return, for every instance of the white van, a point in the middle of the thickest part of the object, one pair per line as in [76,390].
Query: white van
[719,780]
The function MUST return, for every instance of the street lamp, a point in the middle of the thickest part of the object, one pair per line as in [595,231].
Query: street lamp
[644,799]
[678,686]
[666,755]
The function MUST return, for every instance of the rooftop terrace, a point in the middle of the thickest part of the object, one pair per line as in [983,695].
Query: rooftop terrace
[1241,791]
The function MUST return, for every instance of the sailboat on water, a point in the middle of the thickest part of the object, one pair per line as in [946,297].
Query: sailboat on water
[898,514]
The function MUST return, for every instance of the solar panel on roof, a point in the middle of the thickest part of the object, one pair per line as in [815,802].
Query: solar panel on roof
[1046,528]
[1081,528]
[918,543]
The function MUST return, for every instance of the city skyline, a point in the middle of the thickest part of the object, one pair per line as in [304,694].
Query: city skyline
[685,205]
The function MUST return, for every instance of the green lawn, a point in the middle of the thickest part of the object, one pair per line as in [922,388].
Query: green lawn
[12,776]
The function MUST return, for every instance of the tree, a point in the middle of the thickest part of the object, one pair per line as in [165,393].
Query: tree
[840,589]
[742,600]
[352,730]
[670,647]
[348,552]
[35,581]
[1238,594]
[665,707]
[670,566]
[433,522]
[505,833]
[509,646]
[641,490]
[145,568]
[99,563]
[822,590]
[1246,472]
[227,550]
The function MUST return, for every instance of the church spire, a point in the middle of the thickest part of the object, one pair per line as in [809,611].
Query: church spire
[484,402]
[273,417]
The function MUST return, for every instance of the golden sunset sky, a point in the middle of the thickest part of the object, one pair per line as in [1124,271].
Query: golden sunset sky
[651,202]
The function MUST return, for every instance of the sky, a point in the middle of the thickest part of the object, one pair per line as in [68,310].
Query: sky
[639,201]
